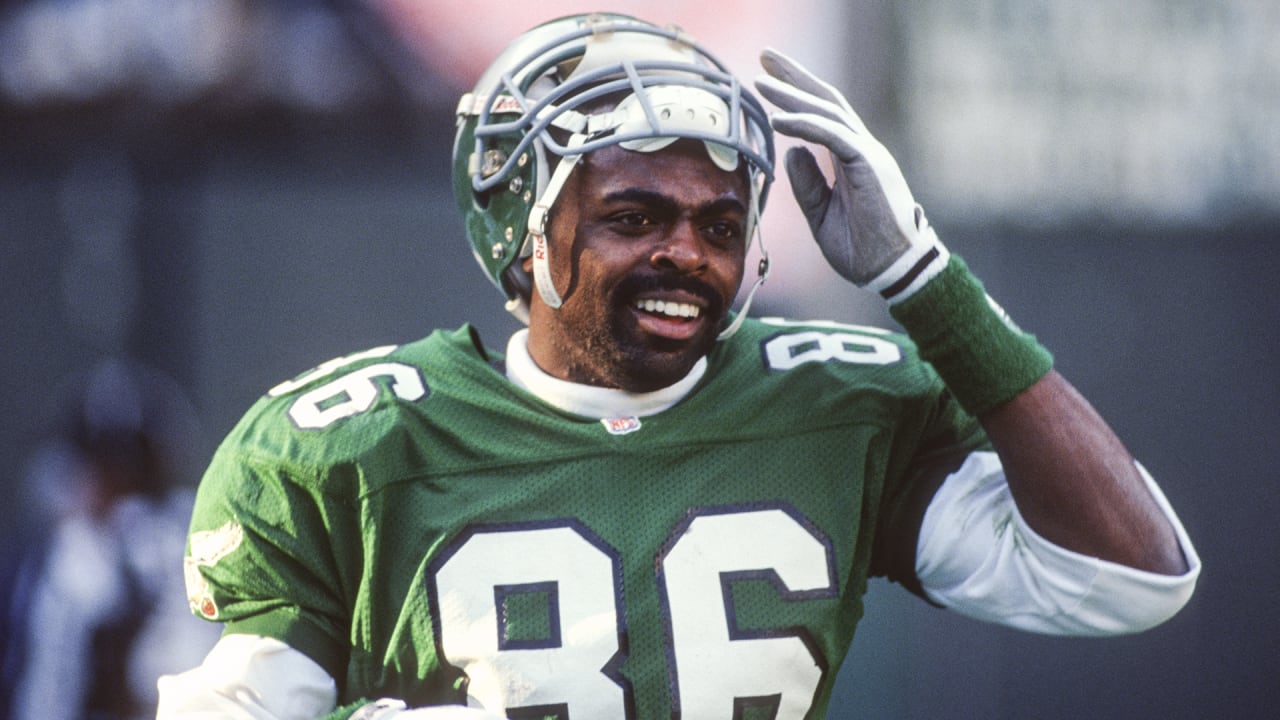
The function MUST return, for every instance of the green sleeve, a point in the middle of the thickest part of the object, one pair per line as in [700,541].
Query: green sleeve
[270,552]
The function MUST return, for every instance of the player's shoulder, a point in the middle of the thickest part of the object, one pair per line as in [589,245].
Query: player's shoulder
[771,326]
[822,356]
[778,344]
[338,409]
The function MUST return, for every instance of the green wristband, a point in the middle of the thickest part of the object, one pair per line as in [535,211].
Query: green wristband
[984,358]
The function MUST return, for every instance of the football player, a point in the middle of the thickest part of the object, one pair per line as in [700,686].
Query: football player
[650,505]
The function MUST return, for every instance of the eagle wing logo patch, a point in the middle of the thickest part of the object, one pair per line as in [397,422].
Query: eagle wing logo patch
[207,548]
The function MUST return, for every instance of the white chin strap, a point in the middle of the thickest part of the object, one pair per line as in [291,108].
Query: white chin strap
[762,270]
[537,238]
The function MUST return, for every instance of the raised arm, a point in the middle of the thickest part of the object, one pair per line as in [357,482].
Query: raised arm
[1075,482]
[1072,479]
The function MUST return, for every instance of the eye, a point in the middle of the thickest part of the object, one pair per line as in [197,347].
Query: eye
[723,231]
[631,220]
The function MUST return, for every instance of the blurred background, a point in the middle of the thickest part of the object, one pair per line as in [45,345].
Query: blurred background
[200,199]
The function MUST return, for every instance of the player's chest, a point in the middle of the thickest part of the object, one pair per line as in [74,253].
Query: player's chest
[632,571]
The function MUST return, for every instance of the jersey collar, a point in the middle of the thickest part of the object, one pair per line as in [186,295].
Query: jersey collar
[589,400]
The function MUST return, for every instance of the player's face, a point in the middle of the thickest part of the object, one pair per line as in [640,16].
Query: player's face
[647,252]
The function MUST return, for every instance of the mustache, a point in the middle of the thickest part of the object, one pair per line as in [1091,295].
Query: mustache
[633,285]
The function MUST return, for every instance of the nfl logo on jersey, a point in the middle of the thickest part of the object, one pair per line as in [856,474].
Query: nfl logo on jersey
[621,425]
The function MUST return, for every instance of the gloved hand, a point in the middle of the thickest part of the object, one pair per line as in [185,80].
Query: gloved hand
[867,223]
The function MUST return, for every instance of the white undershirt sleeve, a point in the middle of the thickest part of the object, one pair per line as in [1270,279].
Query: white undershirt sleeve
[248,677]
[976,555]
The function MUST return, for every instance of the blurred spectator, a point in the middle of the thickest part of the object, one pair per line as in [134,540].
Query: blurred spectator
[92,603]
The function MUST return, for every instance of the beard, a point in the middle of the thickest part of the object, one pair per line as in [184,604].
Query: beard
[612,351]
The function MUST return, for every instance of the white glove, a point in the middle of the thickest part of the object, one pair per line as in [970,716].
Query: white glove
[867,223]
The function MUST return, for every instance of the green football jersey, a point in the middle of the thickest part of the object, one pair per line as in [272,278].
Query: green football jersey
[426,530]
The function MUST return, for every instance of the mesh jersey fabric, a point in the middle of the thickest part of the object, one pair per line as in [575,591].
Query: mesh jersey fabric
[426,530]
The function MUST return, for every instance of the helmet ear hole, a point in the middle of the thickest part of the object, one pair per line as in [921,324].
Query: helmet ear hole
[516,282]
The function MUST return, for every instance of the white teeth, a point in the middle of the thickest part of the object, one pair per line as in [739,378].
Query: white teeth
[671,309]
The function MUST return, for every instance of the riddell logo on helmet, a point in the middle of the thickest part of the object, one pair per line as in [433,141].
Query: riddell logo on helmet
[505,104]
[473,104]
[540,247]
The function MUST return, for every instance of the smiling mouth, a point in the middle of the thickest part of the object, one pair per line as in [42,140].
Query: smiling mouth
[669,320]
[667,308]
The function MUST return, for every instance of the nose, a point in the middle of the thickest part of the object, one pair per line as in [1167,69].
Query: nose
[681,250]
